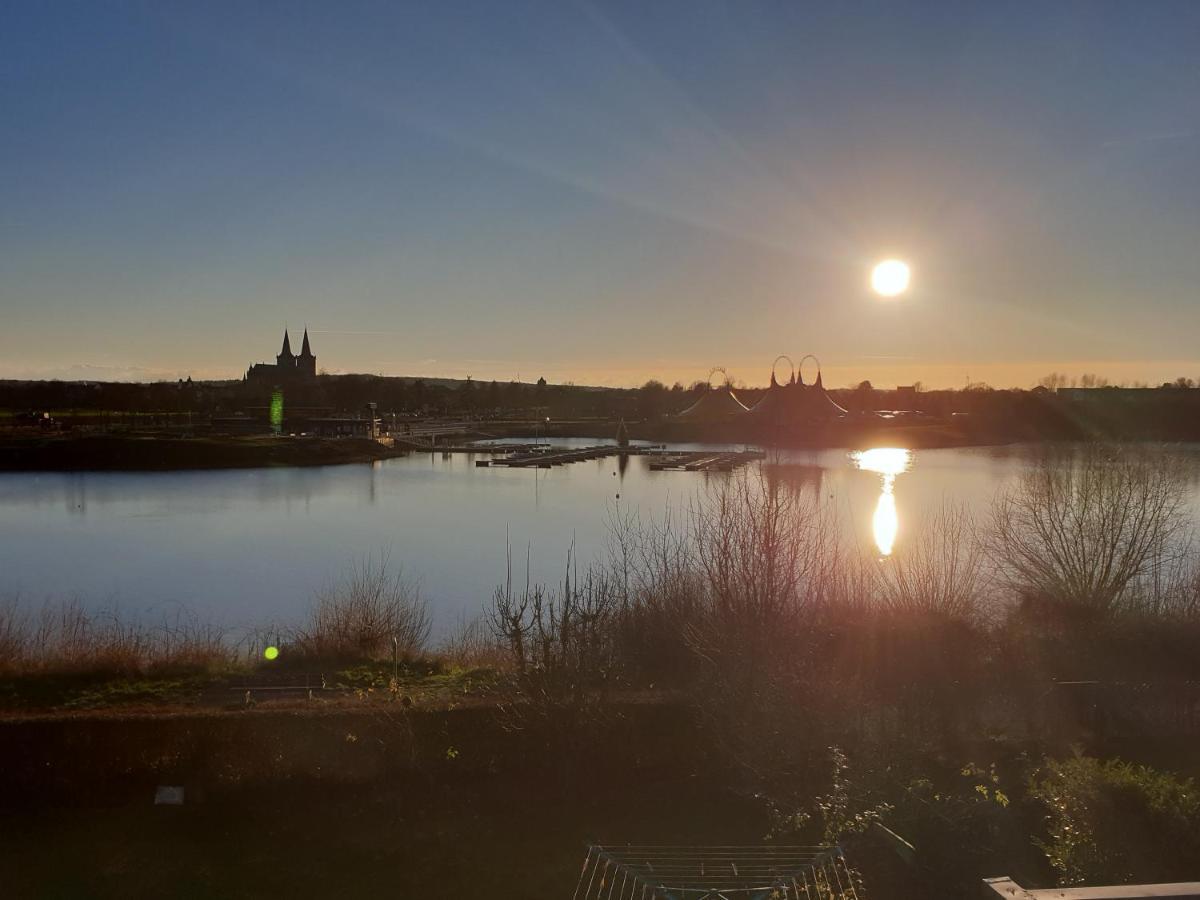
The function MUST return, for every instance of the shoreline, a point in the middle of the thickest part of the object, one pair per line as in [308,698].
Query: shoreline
[120,453]
[152,453]
[36,452]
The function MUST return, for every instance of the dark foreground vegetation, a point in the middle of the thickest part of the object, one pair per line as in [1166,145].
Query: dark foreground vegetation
[1016,695]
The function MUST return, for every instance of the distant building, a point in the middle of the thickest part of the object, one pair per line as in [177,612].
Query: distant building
[288,367]
[906,397]
[368,425]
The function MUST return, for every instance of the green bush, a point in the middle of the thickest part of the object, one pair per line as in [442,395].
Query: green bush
[960,823]
[1115,822]
[848,809]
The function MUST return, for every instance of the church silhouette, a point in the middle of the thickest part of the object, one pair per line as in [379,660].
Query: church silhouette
[288,367]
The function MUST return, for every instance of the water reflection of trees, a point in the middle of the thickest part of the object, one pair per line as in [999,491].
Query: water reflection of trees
[798,478]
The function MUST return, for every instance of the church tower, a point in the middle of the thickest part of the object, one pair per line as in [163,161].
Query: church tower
[285,361]
[306,363]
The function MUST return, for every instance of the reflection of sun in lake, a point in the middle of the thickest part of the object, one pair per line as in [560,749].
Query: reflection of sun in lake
[887,462]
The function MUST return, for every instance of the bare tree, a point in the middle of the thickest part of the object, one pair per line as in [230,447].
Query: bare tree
[1080,529]
[560,642]
[764,550]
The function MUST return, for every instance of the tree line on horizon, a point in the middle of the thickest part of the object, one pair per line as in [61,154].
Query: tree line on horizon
[1016,413]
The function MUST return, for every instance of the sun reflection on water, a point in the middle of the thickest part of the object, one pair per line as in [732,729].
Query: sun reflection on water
[887,462]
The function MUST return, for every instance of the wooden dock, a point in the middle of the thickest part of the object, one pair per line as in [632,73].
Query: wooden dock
[703,460]
[661,460]
[548,458]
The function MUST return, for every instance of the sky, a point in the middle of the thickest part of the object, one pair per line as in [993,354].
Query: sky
[600,192]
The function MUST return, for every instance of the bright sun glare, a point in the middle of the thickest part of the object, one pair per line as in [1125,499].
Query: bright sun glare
[887,462]
[890,278]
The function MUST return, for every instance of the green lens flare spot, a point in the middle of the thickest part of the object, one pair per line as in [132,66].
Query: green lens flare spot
[277,411]
[271,653]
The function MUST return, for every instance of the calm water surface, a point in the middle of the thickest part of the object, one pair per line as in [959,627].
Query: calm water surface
[249,547]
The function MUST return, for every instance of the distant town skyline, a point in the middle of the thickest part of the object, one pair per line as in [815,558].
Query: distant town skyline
[601,193]
[754,374]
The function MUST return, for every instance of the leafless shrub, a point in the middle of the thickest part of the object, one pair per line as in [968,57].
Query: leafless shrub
[560,645]
[1083,530]
[662,591]
[768,560]
[1177,594]
[942,572]
[850,589]
[649,560]
[560,642]
[373,613]
[766,555]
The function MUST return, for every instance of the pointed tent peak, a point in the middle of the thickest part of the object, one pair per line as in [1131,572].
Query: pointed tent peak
[305,350]
[816,362]
[819,384]
[287,343]
[774,383]
[792,380]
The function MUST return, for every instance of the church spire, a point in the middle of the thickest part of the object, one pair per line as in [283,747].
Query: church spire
[287,345]
[304,350]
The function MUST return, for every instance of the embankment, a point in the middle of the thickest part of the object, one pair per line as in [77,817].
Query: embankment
[150,453]
[398,803]
[100,757]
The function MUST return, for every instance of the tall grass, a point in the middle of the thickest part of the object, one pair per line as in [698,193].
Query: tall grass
[67,637]
[375,612]
[471,644]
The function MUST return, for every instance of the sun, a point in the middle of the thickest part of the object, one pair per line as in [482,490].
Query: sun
[890,278]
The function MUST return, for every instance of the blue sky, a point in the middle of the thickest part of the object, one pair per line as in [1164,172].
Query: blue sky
[600,192]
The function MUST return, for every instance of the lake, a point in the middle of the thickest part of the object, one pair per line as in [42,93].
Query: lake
[250,547]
